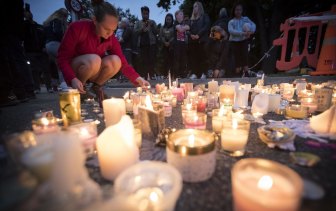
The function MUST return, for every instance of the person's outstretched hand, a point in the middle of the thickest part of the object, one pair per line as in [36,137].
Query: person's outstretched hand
[77,84]
[142,82]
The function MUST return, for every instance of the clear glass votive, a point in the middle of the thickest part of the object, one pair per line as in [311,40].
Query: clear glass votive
[260,184]
[188,109]
[296,112]
[288,92]
[148,185]
[234,136]
[195,120]
[218,117]
[87,133]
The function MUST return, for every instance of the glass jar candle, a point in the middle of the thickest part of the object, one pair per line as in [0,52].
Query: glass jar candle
[260,184]
[234,136]
[195,120]
[296,112]
[193,153]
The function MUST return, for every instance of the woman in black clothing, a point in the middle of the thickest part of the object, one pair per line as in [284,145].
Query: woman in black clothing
[199,30]
[167,38]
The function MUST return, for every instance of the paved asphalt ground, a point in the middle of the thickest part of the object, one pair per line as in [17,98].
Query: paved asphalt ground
[18,118]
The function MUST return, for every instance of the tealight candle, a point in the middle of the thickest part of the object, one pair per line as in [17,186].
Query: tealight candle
[45,125]
[148,185]
[296,112]
[259,184]
[192,153]
[234,136]
[87,135]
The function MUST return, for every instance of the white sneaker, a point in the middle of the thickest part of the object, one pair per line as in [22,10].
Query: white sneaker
[203,76]
[193,76]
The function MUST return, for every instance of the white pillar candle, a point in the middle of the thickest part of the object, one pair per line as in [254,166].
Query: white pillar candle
[193,153]
[260,103]
[213,86]
[114,109]
[116,148]
[259,184]
[274,102]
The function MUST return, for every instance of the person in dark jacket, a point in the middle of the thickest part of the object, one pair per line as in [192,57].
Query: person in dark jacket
[217,50]
[34,45]
[55,26]
[223,20]
[126,39]
[199,30]
[167,37]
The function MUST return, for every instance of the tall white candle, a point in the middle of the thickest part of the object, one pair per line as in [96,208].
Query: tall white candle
[260,103]
[242,98]
[114,109]
[116,148]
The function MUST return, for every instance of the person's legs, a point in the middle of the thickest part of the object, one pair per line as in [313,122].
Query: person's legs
[86,66]
[110,66]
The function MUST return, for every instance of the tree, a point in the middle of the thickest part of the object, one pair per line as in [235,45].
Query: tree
[127,14]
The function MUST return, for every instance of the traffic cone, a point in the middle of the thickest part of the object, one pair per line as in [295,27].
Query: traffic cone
[327,60]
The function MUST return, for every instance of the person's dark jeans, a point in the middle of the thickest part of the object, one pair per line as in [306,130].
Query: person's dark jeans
[39,64]
[167,53]
[22,75]
[197,58]
[128,55]
[148,59]
[6,79]
[179,69]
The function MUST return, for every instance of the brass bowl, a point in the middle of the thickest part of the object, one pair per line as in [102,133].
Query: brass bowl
[275,134]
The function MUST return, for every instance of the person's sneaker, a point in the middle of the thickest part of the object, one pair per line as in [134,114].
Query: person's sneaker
[193,76]
[10,100]
[203,76]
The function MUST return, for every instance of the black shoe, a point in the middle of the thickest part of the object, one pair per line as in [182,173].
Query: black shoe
[10,100]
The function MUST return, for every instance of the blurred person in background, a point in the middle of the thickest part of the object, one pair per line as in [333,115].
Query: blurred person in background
[166,37]
[146,32]
[55,26]
[199,30]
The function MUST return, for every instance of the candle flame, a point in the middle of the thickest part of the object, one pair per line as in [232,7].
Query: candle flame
[265,183]
[148,102]
[153,196]
[44,121]
[191,140]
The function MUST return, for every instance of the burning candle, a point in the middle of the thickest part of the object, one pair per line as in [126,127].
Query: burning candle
[218,117]
[296,112]
[260,103]
[259,184]
[114,109]
[45,125]
[188,109]
[87,134]
[195,120]
[116,148]
[234,136]
[148,185]
[310,103]
[201,103]
[227,92]
[193,153]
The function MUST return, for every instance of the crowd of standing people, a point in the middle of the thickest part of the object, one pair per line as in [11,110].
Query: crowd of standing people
[187,47]
[191,47]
